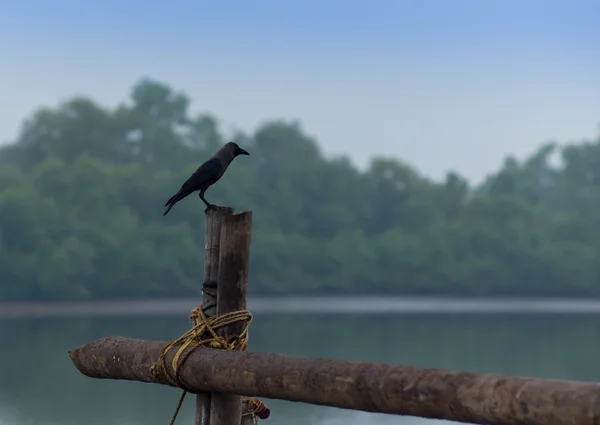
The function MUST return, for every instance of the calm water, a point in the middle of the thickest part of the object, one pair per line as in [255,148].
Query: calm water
[39,385]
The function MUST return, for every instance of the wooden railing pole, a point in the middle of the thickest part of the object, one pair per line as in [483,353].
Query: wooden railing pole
[371,387]
[214,219]
[234,263]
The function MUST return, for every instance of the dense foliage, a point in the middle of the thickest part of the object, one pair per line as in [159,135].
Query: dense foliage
[82,192]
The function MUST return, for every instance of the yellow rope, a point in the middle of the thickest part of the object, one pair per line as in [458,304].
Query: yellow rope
[254,406]
[192,339]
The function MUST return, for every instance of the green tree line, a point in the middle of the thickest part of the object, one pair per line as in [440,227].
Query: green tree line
[82,191]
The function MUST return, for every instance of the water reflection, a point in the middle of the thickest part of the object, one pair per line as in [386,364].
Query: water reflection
[38,383]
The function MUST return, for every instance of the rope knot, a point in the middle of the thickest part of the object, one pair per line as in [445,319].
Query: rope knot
[203,332]
[258,408]
[219,343]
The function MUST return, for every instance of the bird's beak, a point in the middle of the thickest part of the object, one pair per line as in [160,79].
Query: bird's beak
[241,151]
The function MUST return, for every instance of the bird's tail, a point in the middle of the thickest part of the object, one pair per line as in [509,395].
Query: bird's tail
[173,200]
[169,206]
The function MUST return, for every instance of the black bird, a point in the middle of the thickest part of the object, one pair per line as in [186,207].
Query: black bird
[207,174]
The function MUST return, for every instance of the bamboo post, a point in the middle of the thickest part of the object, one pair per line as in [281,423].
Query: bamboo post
[234,262]
[214,220]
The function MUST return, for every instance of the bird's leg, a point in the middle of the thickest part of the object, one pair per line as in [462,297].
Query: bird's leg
[209,206]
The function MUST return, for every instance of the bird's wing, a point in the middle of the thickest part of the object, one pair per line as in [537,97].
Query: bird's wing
[203,175]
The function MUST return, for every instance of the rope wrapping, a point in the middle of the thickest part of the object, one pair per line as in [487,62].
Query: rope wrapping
[257,408]
[204,327]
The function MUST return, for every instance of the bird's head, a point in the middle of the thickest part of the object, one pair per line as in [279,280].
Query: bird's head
[237,150]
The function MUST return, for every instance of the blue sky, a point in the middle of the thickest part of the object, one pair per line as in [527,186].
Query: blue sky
[454,84]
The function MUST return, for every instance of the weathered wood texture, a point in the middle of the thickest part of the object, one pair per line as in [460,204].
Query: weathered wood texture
[214,220]
[234,261]
[246,420]
[372,387]
[214,223]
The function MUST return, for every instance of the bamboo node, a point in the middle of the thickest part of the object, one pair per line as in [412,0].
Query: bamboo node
[204,327]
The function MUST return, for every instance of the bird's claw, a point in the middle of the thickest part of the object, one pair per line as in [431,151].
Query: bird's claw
[209,207]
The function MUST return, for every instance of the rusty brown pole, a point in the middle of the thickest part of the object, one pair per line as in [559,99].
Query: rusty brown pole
[214,220]
[370,387]
[234,263]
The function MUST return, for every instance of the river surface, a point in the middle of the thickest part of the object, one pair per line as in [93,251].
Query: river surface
[39,385]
